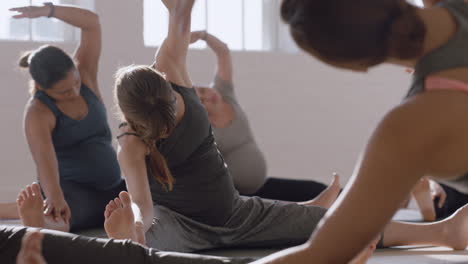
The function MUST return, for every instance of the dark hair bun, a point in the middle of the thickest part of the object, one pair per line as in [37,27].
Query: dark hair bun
[24,60]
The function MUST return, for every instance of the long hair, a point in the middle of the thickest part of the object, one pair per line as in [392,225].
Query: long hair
[146,101]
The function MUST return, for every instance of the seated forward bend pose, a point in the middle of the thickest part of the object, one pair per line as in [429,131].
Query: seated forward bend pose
[425,135]
[66,126]
[231,128]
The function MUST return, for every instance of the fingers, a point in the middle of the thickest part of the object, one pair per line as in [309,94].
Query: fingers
[56,214]
[442,198]
[20,16]
[67,214]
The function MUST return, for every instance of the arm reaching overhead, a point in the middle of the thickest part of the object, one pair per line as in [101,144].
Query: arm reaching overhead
[223,55]
[171,58]
[89,49]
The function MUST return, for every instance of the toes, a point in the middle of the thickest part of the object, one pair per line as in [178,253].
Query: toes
[118,203]
[23,194]
[125,199]
[29,191]
[36,189]
[111,205]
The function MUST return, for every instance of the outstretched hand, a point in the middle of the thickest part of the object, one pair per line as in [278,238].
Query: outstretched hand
[31,11]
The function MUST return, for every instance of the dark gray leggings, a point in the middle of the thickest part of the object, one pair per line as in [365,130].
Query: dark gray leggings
[65,248]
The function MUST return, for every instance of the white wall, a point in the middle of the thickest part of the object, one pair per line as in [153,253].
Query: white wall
[309,119]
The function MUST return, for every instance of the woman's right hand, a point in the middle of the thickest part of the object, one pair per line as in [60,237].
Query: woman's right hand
[31,11]
[57,207]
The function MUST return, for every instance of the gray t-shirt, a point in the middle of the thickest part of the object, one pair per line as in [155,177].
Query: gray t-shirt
[236,142]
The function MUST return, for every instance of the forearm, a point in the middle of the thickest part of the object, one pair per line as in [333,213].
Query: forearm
[78,17]
[144,215]
[50,184]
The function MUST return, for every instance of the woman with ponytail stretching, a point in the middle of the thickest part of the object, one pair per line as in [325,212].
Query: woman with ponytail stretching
[66,128]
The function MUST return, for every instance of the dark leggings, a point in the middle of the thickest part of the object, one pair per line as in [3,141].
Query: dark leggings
[453,202]
[290,190]
[87,205]
[66,248]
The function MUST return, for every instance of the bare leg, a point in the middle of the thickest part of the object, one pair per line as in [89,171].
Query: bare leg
[31,249]
[30,209]
[120,221]
[451,232]
[326,198]
[8,211]
[423,197]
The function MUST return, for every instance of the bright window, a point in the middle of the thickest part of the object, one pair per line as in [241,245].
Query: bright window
[239,23]
[40,29]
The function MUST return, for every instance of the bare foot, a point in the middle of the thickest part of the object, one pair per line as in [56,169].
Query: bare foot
[456,229]
[31,249]
[30,206]
[120,222]
[422,194]
[326,198]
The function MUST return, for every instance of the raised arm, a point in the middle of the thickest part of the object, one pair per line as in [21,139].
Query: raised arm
[131,154]
[223,54]
[89,49]
[171,58]
[38,124]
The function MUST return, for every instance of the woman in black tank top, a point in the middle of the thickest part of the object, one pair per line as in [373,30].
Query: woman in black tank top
[425,135]
[67,130]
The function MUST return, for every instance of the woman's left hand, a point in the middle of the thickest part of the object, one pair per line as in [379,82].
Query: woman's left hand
[31,11]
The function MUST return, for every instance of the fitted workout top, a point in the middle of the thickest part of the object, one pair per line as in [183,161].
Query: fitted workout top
[84,147]
[203,189]
[449,56]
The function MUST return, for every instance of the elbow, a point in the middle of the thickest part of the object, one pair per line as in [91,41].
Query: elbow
[93,20]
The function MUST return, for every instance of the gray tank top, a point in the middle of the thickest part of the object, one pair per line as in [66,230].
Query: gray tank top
[83,147]
[451,55]
[203,189]
[245,160]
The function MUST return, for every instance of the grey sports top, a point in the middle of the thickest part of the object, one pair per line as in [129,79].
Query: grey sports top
[84,147]
[236,142]
[203,189]
[451,55]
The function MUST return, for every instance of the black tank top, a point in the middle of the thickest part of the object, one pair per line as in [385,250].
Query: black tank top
[203,189]
[83,147]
